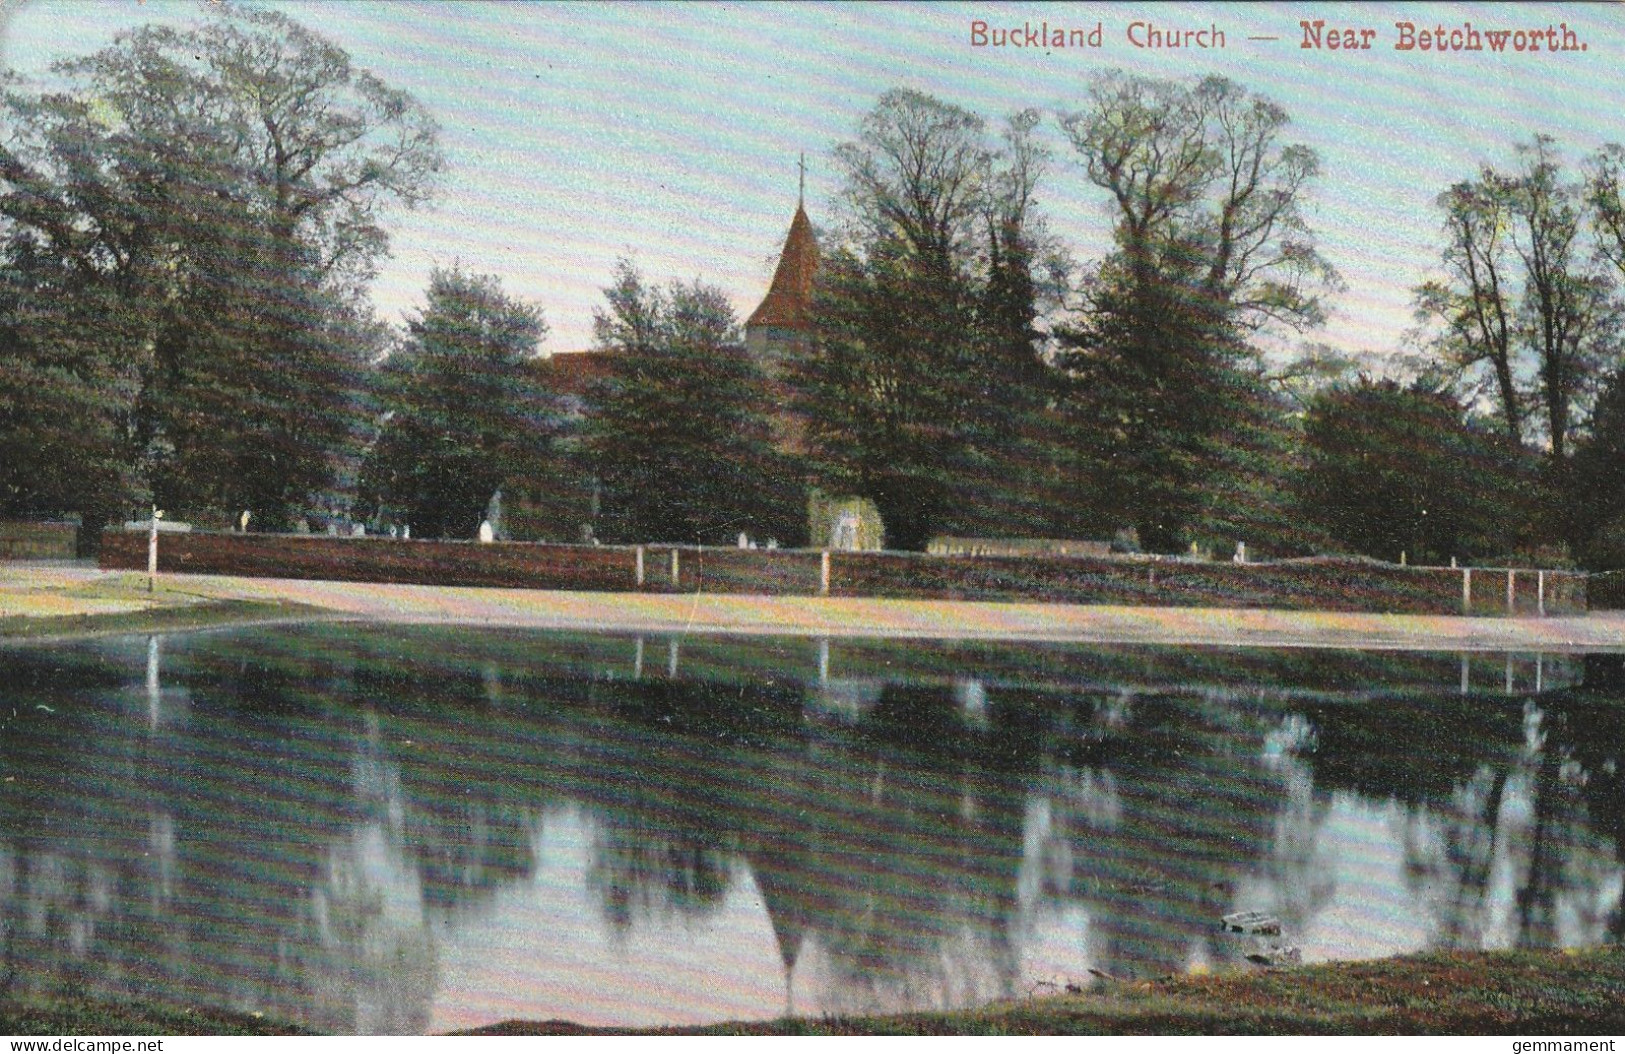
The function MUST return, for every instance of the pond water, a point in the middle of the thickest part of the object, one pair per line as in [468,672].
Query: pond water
[391,829]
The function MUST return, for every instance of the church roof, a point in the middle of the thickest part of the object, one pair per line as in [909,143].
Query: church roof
[573,373]
[788,304]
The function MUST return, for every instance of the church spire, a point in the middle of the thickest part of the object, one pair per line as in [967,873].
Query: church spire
[788,303]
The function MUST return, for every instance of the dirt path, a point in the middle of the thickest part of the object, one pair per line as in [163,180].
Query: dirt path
[35,589]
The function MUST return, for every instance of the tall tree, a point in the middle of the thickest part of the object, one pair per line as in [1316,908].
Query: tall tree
[927,372]
[462,412]
[1525,294]
[65,394]
[1476,303]
[1394,470]
[223,187]
[1211,248]
[678,434]
[1011,480]
[1604,178]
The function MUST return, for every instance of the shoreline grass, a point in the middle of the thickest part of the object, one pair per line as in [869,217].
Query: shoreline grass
[203,614]
[1550,993]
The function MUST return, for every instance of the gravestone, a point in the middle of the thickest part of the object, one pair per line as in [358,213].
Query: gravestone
[846,532]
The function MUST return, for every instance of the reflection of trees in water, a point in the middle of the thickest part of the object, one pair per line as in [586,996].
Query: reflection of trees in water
[1153,827]
[895,859]
[641,871]
[275,844]
[207,862]
[1498,839]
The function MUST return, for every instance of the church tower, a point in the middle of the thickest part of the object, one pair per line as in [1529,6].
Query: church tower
[779,330]
[782,325]
[783,322]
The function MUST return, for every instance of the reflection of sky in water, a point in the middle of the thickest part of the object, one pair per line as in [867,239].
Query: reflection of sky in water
[369,832]
[544,950]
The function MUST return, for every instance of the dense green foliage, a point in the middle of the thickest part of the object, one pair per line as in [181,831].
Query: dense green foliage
[1394,470]
[1593,489]
[1211,248]
[463,414]
[678,434]
[189,228]
[926,388]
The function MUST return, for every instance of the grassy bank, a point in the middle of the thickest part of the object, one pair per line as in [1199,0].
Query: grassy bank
[86,1017]
[1517,993]
[1494,993]
[155,620]
[41,602]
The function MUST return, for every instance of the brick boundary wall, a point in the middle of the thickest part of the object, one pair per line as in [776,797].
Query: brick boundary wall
[1606,591]
[23,540]
[1349,585]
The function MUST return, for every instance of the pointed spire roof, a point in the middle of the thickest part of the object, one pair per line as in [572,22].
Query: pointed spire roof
[788,304]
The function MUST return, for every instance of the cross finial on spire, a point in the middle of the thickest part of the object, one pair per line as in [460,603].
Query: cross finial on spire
[801,191]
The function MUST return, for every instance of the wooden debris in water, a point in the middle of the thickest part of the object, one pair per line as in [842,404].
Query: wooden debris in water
[1258,922]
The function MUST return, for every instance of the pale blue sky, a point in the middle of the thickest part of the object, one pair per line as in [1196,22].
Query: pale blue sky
[578,132]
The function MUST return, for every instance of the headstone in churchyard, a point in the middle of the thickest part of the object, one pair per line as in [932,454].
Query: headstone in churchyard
[358,530]
[486,533]
[406,531]
[493,514]
[242,522]
[744,540]
[846,532]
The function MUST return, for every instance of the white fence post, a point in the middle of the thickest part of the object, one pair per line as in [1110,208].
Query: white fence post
[1540,593]
[1512,590]
[640,567]
[152,551]
[674,568]
[1466,591]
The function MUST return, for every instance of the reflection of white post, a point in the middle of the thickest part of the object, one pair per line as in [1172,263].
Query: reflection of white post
[637,660]
[1463,673]
[154,692]
[823,660]
[671,659]
[1509,673]
[823,575]
[1539,672]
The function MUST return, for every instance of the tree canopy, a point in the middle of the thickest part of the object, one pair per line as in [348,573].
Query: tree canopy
[1211,248]
[678,433]
[462,413]
[926,381]
[1393,469]
[210,203]
[1526,312]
